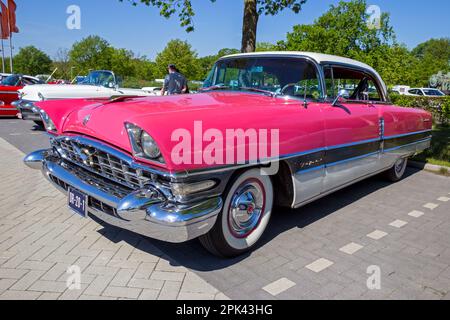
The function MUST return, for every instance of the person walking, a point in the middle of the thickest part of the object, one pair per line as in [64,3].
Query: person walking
[175,82]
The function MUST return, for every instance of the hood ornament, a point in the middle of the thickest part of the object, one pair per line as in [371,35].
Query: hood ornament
[86,120]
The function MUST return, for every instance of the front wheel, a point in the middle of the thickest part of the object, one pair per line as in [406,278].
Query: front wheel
[244,217]
[397,172]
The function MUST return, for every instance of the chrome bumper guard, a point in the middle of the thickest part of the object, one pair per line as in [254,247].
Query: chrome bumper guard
[146,212]
[27,109]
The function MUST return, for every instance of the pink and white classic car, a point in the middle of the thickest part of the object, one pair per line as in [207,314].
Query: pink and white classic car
[275,128]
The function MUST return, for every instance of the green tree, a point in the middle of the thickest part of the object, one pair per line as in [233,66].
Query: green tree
[266,46]
[182,55]
[342,30]
[32,61]
[206,63]
[92,52]
[122,62]
[144,68]
[433,56]
[253,9]
[61,61]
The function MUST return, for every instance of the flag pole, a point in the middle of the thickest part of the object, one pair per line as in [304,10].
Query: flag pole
[3,49]
[11,48]
[3,57]
[10,42]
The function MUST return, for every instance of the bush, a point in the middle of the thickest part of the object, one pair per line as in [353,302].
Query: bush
[438,106]
[135,83]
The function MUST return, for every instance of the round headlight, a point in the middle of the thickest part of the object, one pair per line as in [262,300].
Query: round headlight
[149,146]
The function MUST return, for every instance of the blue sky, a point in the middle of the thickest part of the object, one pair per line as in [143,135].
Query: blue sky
[141,29]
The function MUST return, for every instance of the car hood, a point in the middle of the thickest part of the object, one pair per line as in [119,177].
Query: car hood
[162,116]
[64,91]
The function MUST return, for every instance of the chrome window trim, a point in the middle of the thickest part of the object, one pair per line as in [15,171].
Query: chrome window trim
[376,76]
[318,67]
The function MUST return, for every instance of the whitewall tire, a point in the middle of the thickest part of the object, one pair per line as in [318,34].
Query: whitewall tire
[245,215]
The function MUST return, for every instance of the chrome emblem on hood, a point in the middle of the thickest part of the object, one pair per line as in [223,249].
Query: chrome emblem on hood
[86,120]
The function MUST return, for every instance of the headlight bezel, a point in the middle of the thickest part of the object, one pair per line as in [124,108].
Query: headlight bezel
[48,122]
[136,136]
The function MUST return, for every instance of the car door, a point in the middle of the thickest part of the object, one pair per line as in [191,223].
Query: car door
[352,126]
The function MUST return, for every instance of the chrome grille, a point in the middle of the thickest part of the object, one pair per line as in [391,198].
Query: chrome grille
[102,163]
[92,202]
[97,182]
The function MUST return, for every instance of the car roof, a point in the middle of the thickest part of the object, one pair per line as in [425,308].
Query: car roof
[320,58]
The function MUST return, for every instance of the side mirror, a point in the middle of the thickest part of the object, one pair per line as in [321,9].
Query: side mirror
[342,97]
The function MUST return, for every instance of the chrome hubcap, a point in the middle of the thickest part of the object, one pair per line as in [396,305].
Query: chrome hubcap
[246,208]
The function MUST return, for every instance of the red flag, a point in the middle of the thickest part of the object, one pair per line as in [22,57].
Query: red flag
[12,16]
[4,21]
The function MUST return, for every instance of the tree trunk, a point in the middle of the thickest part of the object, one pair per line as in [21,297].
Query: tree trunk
[249,26]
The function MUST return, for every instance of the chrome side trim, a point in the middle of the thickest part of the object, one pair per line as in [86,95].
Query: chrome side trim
[343,186]
[406,134]
[407,145]
[303,181]
[187,174]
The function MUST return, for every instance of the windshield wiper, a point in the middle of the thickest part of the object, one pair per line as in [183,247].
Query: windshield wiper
[270,93]
[216,87]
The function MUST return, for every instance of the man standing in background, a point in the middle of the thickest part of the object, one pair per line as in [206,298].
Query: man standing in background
[174,83]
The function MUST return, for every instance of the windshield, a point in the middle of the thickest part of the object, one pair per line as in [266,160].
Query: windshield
[277,75]
[100,78]
[430,92]
[13,80]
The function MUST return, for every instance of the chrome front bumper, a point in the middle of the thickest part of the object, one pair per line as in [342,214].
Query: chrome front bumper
[27,110]
[146,212]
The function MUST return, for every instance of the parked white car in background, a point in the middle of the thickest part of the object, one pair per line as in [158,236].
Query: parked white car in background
[400,89]
[156,91]
[425,92]
[98,84]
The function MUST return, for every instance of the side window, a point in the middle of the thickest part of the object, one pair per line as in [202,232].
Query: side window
[356,85]
[329,83]
[419,92]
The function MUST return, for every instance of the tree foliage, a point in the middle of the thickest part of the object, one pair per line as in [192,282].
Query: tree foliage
[32,61]
[343,30]
[252,10]
[182,55]
[433,56]
[92,52]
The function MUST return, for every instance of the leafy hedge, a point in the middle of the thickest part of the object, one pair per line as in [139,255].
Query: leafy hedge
[438,106]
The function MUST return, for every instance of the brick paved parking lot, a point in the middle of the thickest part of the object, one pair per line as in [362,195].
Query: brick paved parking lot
[321,251]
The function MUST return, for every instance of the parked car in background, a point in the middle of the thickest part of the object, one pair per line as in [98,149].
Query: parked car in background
[119,161]
[4,75]
[156,91]
[425,92]
[400,89]
[98,84]
[9,87]
[78,79]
